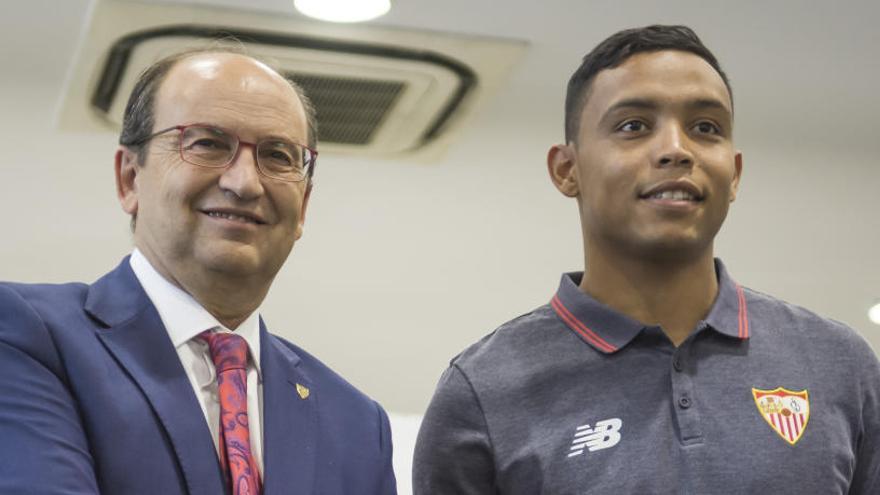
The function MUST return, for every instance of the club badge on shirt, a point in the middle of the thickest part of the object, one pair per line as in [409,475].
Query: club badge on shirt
[787,412]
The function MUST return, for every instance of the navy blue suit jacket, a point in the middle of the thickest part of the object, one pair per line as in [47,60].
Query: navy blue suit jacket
[94,399]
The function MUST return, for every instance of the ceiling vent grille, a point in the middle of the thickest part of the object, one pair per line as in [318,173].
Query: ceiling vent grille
[349,111]
[376,91]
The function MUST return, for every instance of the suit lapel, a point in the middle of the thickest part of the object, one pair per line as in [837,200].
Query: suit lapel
[137,339]
[290,420]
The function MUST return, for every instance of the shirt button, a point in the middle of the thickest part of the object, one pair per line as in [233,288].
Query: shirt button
[684,402]
[676,363]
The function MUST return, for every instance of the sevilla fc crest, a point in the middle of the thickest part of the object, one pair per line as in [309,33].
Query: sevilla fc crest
[785,411]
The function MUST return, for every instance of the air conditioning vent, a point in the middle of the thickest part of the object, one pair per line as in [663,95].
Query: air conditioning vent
[375,91]
[349,110]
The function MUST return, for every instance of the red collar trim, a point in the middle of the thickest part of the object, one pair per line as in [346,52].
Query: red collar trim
[579,327]
[743,313]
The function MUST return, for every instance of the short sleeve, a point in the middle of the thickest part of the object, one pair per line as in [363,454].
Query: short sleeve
[453,451]
[866,479]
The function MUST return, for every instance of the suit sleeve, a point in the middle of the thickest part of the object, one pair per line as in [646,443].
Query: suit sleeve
[43,449]
[388,481]
[453,453]
[866,479]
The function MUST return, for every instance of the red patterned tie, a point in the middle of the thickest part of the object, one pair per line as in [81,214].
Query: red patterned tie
[229,353]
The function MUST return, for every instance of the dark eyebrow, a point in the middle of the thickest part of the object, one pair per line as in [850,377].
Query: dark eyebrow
[708,104]
[631,103]
[648,104]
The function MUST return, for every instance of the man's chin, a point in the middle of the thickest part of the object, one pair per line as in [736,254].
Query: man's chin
[674,248]
[241,260]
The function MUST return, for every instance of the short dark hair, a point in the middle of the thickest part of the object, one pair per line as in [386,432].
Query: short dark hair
[139,117]
[616,49]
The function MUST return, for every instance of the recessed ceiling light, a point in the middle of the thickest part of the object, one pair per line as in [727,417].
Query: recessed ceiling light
[343,10]
[874,313]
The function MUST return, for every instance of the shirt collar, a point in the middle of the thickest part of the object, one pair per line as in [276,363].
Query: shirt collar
[730,312]
[184,318]
[608,330]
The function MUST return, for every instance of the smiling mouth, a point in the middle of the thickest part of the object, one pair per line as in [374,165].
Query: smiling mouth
[233,217]
[674,195]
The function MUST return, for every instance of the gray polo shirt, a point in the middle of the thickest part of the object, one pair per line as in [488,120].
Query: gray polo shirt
[575,398]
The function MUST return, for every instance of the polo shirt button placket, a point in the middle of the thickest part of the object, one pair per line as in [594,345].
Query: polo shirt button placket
[686,412]
[676,364]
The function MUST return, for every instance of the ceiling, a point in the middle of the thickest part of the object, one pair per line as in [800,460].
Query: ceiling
[404,264]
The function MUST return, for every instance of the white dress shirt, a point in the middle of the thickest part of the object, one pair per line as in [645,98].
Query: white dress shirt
[184,319]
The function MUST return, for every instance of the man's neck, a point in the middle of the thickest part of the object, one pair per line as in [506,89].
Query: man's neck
[230,301]
[675,294]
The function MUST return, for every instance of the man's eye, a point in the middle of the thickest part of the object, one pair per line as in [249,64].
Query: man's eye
[632,126]
[705,127]
[206,143]
[280,157]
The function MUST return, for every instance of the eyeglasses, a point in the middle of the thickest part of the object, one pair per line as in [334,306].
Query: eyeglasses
[212,147]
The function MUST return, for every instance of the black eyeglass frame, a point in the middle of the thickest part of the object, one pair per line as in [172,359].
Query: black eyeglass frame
[309,167]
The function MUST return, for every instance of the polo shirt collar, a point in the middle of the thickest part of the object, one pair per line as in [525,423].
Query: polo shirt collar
[608,330]
[730,312]
[184,318]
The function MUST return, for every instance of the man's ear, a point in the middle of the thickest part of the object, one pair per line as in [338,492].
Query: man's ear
[302,211]
[127,168]
[738,166]
[562,166]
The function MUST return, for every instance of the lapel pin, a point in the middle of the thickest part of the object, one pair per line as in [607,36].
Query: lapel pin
[302,391]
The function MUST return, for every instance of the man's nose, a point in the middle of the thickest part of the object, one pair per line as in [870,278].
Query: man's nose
[673,147]
[242,176]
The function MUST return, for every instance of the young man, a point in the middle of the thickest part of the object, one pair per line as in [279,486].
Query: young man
[653,371]
[161,376]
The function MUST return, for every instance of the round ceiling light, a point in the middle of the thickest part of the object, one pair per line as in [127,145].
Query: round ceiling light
[343,10]
[874,313]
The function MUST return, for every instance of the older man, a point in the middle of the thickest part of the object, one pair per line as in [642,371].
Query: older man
[653,371]
[161,376]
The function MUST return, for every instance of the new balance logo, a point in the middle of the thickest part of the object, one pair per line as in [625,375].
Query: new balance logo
[604,435]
